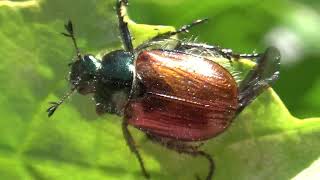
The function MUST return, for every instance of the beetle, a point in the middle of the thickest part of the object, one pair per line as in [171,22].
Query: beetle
[175,94]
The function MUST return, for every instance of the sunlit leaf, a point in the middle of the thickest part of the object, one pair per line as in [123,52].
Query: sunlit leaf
[264,142]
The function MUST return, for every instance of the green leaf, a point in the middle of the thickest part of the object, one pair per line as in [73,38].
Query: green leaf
[264,142]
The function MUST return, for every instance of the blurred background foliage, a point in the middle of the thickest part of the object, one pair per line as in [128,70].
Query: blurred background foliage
[34,71]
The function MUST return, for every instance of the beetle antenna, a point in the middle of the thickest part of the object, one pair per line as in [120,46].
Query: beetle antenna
[70,33]
[54,105]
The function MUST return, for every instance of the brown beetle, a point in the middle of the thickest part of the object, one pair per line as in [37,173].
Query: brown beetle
[175,95]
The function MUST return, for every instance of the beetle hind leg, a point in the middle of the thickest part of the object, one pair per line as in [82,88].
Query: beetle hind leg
[210,160]
[259,78]
[131,143]
[184,148]
[226,53]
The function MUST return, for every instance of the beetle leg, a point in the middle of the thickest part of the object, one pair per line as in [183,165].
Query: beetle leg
[186,28]
[260,77]
[226,53]
[123,26]
[183,29]
[158,40]
[131,143]
[248,56]
[182,147]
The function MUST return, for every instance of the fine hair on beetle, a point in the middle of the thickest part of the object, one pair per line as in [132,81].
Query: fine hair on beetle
[179,93]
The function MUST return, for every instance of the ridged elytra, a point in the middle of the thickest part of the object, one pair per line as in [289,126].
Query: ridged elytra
[174,95]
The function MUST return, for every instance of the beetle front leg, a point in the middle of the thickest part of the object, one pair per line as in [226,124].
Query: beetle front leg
[259,78]
[131,143]
[182,147]
[123,26]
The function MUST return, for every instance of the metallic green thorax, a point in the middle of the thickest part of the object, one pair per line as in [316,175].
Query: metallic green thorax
[117,69]
[113,82]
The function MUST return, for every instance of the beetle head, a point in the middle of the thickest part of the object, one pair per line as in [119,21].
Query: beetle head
[83,74]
